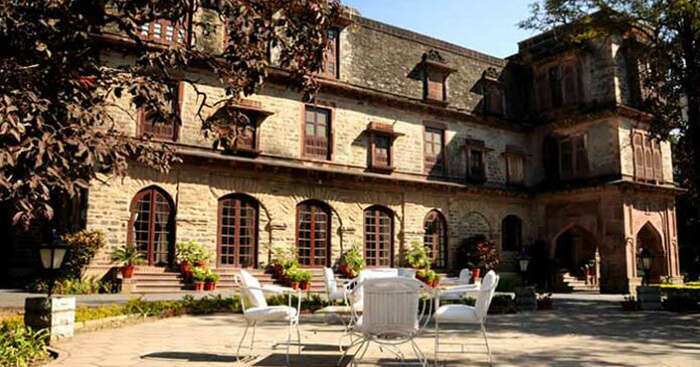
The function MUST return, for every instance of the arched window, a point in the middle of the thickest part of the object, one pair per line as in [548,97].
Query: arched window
[151,226]
[435,238]
[511,233]
[313,233]
[237,244]
[379,236]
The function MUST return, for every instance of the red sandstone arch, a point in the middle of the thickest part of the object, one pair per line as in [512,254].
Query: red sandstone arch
[649,237]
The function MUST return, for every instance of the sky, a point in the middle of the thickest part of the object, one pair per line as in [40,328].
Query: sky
[488,26]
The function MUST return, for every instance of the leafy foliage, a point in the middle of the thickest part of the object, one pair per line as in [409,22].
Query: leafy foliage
[418,257]
[478,252]
[126,255]
[58,91]
[70,285]
[20,346]
[83,247]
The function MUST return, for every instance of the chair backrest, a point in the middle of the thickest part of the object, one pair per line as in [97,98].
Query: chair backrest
[465,275]
[407,272]
[390,307]
[329,277]
[486,291]
[357,296]
[251,290]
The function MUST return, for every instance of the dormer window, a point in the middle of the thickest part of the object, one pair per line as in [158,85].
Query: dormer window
[494,102]
[558,85]
[330,55]
[476,160]
[246,130]
[164,31]
[434,73]
[381,146]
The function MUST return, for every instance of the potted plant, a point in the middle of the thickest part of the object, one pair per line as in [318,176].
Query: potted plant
[210,280]
[127,256]
[477,252]
[418,257]
[352,262]
[199,276]
[305,280]
[544,302]
[629,304]
[201,257]
[436,280]
[185,253]
[293,277]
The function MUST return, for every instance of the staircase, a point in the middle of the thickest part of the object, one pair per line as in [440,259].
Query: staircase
[153,280]
[569,283]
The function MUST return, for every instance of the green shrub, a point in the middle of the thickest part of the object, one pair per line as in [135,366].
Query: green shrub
[21,346]
[681,303]
[508,283]
[85,313]
[89,285]
[83,246]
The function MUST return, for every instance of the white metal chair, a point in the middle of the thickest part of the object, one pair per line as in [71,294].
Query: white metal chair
[255,309]
[333,293]
[391,315]
[463,314]
[407,272]
[463,287]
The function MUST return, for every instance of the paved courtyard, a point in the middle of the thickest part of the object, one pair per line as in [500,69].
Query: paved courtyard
[576,334]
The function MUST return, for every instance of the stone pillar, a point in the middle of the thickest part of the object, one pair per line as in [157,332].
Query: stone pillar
[525,299]
[649,298]
[57,314]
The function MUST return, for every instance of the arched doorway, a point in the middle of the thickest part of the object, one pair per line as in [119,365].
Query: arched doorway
[313,233]
[435,238]
[152,226]
[649,238]
[573,249]
[237,239]
[511,233]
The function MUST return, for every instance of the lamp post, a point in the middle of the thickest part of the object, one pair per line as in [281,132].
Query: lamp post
[523,261]
[52,255]
[647,259]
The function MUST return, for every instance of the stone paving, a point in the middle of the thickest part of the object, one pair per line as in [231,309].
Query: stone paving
[575,334]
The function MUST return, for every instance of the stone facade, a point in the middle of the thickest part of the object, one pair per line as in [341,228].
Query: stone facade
[381,80]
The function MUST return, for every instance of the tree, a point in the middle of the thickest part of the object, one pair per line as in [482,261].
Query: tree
[56,133]
[666,34]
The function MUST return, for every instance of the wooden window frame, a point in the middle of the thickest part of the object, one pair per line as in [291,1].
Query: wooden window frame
[329,225]
[171,227]
[376,210]
[163,24]
[436,215]
[488,91]
[509,179]
[141,119]
[650,149]
[473,145]
[239,198]
[442,128]
[519,235]
[334,49]
[576,141]
[331,133]
[552,78]
[374,164]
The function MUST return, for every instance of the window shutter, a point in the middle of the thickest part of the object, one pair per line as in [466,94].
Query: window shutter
[638,155]
[434,82]
[648,159]
[581,146]
[658,162]
[570,84]
[566,167]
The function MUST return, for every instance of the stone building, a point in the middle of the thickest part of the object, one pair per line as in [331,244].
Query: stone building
[410,139]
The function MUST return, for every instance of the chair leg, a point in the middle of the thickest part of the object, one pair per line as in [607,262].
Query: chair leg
[238,351]
[345,352]
[298,339]
[486,339]
[252,340]
[437,343]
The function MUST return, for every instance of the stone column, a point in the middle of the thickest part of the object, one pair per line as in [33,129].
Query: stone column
[57,314]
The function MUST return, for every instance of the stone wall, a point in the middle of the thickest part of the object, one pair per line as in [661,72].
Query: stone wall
[196,188]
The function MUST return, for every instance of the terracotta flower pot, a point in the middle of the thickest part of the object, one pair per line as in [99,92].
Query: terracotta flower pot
[199,286]
[185,267]
[209,286]
[344,269]
[128,271]
[295,285]
[204,266]
[476,273]
[305,286]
